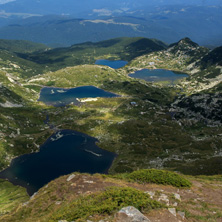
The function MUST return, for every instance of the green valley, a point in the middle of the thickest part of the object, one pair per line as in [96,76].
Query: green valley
[176,127]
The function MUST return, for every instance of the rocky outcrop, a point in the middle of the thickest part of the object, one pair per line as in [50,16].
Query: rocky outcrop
[205,108]
[130,214]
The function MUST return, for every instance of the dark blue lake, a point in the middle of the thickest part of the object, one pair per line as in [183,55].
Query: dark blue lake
[158,75]
[61,97]
[115,64]
[64,152]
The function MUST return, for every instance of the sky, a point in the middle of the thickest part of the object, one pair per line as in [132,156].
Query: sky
[6,1]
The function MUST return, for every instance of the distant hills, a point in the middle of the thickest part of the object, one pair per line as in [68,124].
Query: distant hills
[75,7]
[184,55]
[87,53]
[168,23]
[21,46]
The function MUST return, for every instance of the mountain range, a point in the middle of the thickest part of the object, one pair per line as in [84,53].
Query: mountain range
[161,125]
[167,22]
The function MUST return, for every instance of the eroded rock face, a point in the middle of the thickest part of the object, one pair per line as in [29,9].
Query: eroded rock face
[130,214]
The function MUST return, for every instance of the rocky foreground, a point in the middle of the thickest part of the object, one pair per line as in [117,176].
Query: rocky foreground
[57,201]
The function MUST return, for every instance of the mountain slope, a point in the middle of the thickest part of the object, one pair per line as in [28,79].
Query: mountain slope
[212,58]
[83,197]
[146,126]
[88,53]
[27,59]
[181,56]
[21,46]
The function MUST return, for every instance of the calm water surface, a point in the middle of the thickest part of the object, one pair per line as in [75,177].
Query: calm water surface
[115,64]
[64,152]
[158,75]
[61,97]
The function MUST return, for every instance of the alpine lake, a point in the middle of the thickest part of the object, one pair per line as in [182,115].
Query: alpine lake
[115,64]
[68,151]
[65,151]
[158,75]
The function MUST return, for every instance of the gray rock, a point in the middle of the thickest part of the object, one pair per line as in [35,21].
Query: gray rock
[130,214]
[151,193]
[58,202]
[175,204]
[177,196]
[164,198]
[70,177]
[173,211]
[32,197]
[182,214]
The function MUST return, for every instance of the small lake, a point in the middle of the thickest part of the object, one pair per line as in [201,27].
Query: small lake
[158,75]
[61,97]
[115,64]
[64,152]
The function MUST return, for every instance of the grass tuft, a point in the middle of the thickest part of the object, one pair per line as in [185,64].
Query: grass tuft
[159,177]
[105,203]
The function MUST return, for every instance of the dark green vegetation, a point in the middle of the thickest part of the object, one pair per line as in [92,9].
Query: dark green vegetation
[21,46]
[158,177]
[37,58]
[213,58]
[107,202]
[88,53]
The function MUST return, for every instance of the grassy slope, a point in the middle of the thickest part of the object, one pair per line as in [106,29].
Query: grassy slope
[10,62]
[61,198]
[132,131]
[27,59]
[21,46]
[152,133]
[87,53]
[10,197]
[177,56]
[19,127]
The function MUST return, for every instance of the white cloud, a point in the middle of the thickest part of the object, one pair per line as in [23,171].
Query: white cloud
[103,12]
[6,1]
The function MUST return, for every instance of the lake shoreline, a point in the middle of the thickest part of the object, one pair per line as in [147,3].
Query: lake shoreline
[91,150]
[158,75]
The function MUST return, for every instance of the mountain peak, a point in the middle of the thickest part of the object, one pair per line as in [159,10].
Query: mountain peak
[185,42]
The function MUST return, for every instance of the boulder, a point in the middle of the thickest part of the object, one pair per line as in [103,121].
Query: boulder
[173,211]
[130,214]
[70,177]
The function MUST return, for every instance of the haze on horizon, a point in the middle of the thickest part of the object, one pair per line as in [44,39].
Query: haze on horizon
[76,7]
[55,22]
